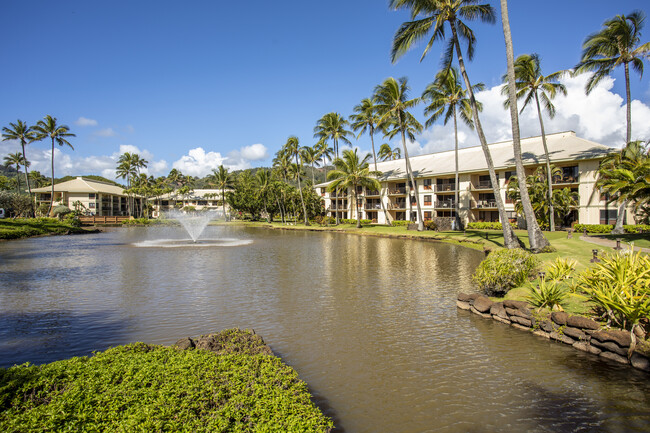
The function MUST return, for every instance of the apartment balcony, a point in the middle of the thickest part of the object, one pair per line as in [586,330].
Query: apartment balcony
[483,204]
[372,193]
[339,194]
[566,179]
[397,206]
[337,209]
[481,185]
[445,188]
[373,206]
[397,191]
[445,204]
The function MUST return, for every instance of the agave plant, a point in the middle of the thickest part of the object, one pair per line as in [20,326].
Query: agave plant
[560,269]
[547,293]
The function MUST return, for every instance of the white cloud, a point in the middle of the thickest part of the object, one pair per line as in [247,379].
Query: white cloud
[83,121]
[106,132]
[254,152]
[198,163]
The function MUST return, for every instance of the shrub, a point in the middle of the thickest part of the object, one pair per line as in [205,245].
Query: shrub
[399,223]
[430,225]
[637,228]
[560,269]
[366,221]
[547,293]
[593,228]
[503,270]
[60,211]
[495,225]
[72,220]
[15,205]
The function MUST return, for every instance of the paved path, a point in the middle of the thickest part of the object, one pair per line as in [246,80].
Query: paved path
[610,243]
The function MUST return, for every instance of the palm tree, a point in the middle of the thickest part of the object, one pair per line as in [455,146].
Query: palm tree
[436,13]
[126,170]
[618,42]
[351,172]
[25,134]
[310,155]
[386,153]
[264,182]
[325,152]
[531,85]
[16,159]
[57,133]
[393,105]
[292,149]
[448,97]
[332,127]
[222,179]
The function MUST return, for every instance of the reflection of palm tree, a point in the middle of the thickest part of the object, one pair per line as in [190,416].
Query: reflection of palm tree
[16,159]
[393,105]
[615,44]
[292,149]
[436,14]
[447,96]
[58,133]
[332,126]
[351,172]
[25,134]
[530,86]
[386,153]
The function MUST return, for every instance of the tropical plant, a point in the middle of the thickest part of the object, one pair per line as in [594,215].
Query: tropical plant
[221,179]
[560,269]
[332,126]
[292,149]
[351,172]
[57,133]
[17,159]
[447,97]
[547,293]
[386,153]
[617,43]
[503,270]
[434,14]
[309,155]
[23,133]
[264,181]
[393,105]
[531,85]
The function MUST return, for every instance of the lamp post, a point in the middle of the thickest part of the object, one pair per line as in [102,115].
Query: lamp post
[595,258]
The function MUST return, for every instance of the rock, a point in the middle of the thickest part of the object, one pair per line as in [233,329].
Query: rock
[581,345]
[614,357]
[559,317]
[525,313]
[639,332]
[609,345]
[499,319]
[497,309]
[518,326]
[541,333]
[546,325]
[463,305]
[562,338]
[582,322]
[640,361]
[620,337]
[482,304]
[475,311]
[467,297]
[574,333]
[184,344]
[515,304]
[522,321]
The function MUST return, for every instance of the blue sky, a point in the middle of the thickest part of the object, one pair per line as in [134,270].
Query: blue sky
[195,84]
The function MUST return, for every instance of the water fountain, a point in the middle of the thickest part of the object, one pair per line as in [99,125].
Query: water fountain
[194,224]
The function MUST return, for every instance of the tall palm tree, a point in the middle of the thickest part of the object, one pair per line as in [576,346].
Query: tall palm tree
[386,153]
[25,134]
[537,239]
[223,180]
[310,155]
[325,152]
[332,126]
[292,149]
[126,170]
[435,14]
[16,159]
[263,181]
[351,172]
[531,85]
[446,96]
[393,105]
[57,133]
[618,42]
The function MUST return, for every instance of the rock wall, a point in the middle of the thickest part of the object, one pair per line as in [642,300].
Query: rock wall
[580,332]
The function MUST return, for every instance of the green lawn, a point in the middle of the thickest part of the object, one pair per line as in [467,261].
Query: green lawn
[29,227]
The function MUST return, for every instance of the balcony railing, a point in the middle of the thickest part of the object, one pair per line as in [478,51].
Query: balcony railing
[484,204]
[566,179]
[400,205]
[372,193]
[372,206]
[445,187]
[485,184]
[445,204]
[397,191]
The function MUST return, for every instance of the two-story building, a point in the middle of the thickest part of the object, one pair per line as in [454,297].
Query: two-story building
[199,199]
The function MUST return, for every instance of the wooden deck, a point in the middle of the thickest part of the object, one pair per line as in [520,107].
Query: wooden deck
[102,220]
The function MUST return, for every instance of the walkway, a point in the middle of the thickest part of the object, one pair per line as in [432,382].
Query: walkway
[610,243]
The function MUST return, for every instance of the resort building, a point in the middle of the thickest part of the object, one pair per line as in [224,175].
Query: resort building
[577,158]
[94,197]
[198,199]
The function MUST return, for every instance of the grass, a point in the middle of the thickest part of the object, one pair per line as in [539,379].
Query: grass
[141,388]
[30,227]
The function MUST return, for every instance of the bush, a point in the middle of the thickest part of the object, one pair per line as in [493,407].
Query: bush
[560,269]
[72,220]
[399,223]
[593,228]
[637,228]
[15,205]
[430,225]
[60,211]
[485,226]
[503,270]
[547,293]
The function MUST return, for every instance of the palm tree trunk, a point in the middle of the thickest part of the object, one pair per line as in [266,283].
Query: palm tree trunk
[457,192]
[618,228]
[374,155]
[509,238]
[302,201]
[223,203]
[18,178]
[535,235]
[49,211]
[409,172]
[29,187]
[313,179]
[356,204]
[628,136]
[549,176]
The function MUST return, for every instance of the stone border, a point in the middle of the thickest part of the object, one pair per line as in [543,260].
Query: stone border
[580,332]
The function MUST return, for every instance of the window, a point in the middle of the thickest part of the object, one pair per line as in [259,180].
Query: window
[427,200]
[509,174]
[92,196]
[608,216]
[91,205]
[427,183]
[427,215]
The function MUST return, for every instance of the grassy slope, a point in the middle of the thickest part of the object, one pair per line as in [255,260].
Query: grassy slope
[28,227]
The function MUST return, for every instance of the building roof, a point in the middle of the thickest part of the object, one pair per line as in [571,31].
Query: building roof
[84,185]
[562,147]
[193,195]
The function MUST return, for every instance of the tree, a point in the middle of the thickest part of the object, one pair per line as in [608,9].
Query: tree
[446,96]
[57,133]
[332,126]
[264,181]
[351,172]
[436,13]
[23,133]
[292,150]
[386,153]
[531,85]
[309,155]
[393,105]
[324,151]
[222,180]
[618,42]
[16,159]
[126,169]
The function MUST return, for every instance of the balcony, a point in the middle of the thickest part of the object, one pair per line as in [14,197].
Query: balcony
[445,204]
[484,204]
[566,179]
[372,206]
[397,191]
[339,194]
[481,185]
[446,187]
[398,205]
[372,193]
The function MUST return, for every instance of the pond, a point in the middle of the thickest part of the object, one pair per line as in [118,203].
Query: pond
[369,323]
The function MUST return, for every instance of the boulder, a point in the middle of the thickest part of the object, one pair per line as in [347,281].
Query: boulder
[610,346]
[184,344]
[541,333]
[614,357]
[475,311]
[620,337]
[586,347]
[522,321]
[463,305]
[467,297]
[482,304]
[582,322]
[640,361]
[515,304]
[575,333]
[546,326]
[518,326]
[497,309]
[559,317]
[521,312]
[499,319]
[562,338]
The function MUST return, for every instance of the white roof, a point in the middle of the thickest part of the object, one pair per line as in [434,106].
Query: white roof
[194,195]
[83,185]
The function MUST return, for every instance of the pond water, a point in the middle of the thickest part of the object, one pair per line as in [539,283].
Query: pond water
[369,323]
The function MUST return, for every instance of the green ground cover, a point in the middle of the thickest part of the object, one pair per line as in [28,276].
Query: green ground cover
[29,227]
[144,388]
